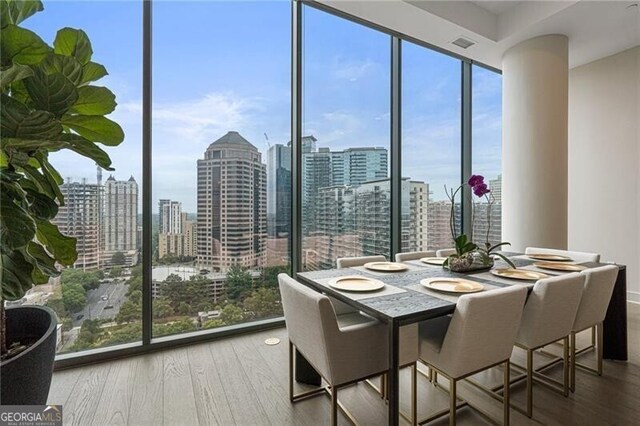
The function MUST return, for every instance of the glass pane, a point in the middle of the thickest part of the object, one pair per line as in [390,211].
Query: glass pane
[431,157]
[487,153]
[346,191]
[101,208]
[221,162]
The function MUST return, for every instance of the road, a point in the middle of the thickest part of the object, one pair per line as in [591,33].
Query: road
[95,307]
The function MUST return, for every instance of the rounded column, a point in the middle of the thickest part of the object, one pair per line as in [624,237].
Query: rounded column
[535,78]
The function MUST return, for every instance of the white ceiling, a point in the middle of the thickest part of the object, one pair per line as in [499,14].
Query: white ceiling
[596,29]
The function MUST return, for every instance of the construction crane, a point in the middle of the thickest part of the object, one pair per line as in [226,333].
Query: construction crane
[266,138]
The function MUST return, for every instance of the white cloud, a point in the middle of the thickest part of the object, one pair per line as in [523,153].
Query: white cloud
[351,70]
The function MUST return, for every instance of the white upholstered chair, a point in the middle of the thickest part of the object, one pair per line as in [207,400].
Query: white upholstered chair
[548,316]
[408,334]
[341,354]
[576,256]
[414,255]
[598,288]
[445,252]
[479,335]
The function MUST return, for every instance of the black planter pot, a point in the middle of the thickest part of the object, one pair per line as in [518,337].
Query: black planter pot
[26,378]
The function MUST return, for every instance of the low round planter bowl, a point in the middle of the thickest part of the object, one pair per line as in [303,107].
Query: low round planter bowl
[473,261]
[26,378]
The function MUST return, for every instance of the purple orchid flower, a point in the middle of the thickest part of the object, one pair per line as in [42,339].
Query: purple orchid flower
[476,180]
[481,190]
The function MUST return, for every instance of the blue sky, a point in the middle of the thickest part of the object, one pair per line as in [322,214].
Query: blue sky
[223,65]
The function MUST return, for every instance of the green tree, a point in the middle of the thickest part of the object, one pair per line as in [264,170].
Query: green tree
[88,280]
[162,308]
[116,271]
[263,303]
[129,312]
[231,314]
[269,275]
[73,297]
[90,334]
[238,283]
[48,104]
[118,258]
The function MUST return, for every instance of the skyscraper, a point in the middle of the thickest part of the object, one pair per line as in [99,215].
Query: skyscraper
[278,191]
[169,217]
[80,217]
[232,204]
[121,218]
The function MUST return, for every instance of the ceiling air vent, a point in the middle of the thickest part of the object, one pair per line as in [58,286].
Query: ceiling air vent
[463,42]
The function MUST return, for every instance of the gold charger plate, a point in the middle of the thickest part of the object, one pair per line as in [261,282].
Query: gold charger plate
[386,266]
[356,283]
[433,260]
[560,266]
[550,257]
[519,274]
[451,285]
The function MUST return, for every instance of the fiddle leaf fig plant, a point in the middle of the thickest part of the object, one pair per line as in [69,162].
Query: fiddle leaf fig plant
[48,103]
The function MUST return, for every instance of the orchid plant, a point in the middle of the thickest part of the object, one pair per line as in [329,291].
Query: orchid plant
[463,245]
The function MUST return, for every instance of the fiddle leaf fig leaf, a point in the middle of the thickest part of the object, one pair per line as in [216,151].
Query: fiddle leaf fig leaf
[16,275]
[17,227]
[87,149]
[73,42]
[17,121]
[63,248]
[65,65]
[14,73]
[94,100]
[14,12]
[95,128]
[22,46]
[51,92]
[92,71]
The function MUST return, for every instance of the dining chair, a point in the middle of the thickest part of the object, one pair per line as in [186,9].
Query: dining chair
[408,339]
[598,288]
[548,317]
[479,335]
[445,252]
[342,354]
[414,255]
[576,256]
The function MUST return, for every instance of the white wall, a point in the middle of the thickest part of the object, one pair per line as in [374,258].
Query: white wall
[604,161]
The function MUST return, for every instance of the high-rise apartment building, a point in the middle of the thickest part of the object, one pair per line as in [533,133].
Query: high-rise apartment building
[80,217]
[179,244]
[169,217]
[120,218]
[278,191]
[232,204]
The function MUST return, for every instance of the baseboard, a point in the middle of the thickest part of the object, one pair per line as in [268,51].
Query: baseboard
[633,296]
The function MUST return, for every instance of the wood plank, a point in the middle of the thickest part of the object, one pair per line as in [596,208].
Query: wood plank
[83,401]
[210,397]
[179,401]
[62,385]
[115,403]
[240,394]
[147,394]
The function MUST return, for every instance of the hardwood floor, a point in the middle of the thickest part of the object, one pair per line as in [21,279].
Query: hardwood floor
[243,381]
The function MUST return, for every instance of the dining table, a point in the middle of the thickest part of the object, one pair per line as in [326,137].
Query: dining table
[404,300]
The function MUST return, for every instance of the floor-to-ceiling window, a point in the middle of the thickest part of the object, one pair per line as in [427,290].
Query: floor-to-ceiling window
[486,133]
[345,144]
[221,162]
[101,208]
[431,147]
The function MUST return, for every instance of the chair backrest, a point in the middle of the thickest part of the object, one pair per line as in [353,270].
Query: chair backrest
[445,252]
[550,310]
[414,255]
[348,262]
[309,317]
[578,256]
[598,288]
[483,329]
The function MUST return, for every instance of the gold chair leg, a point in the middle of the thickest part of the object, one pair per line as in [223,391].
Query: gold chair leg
[414,394]
[452,402]
[334,406]
[599,347]
[529,383]
[565,366]
[572,385]
[505,393]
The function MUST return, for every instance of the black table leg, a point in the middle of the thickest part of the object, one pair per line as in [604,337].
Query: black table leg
[305,373]
[615,323]
[394,374]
